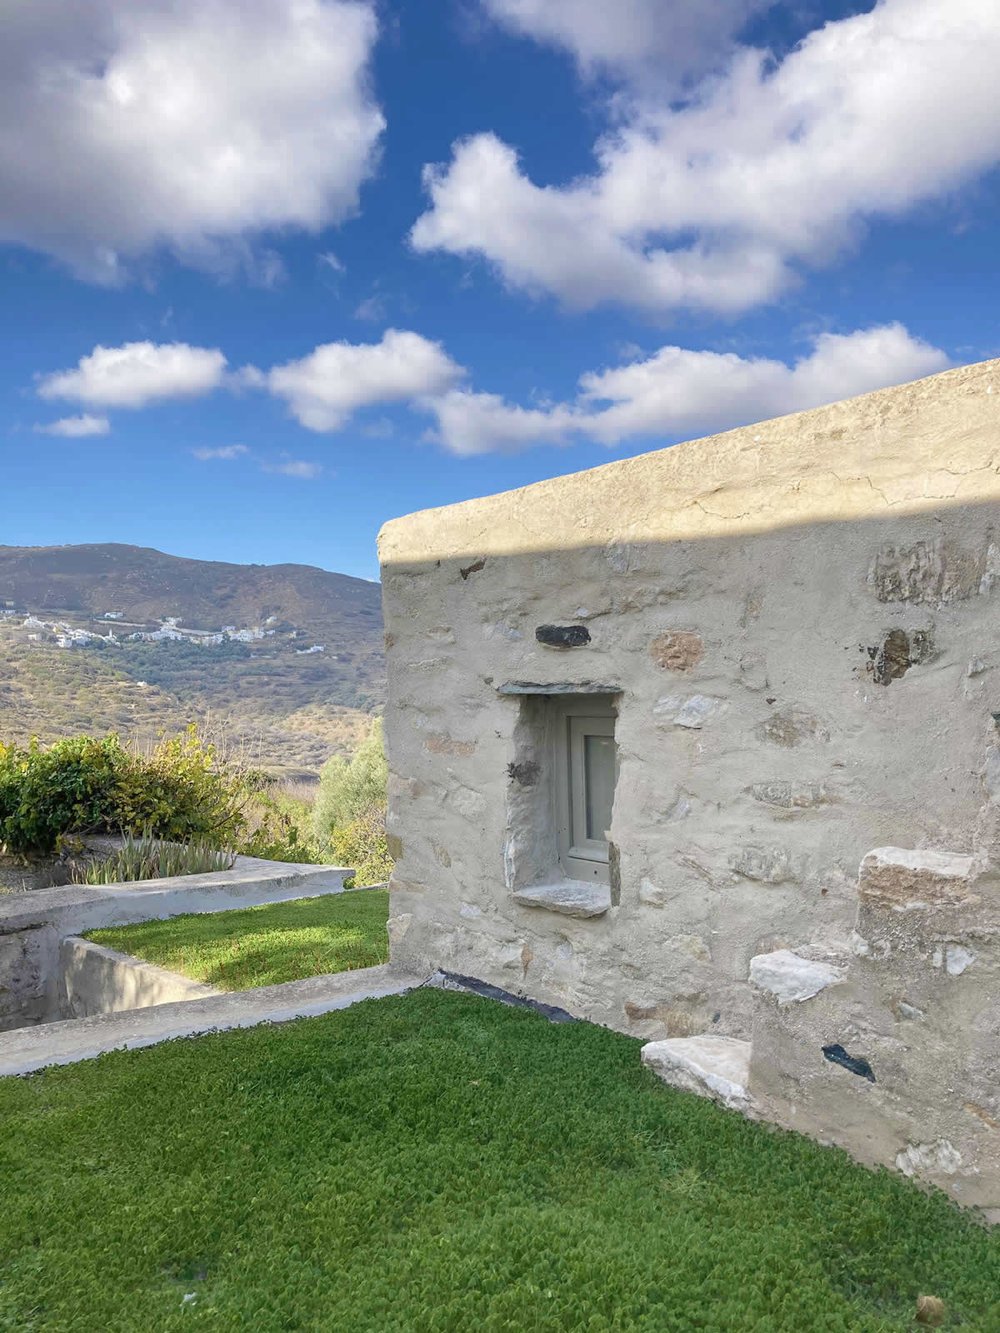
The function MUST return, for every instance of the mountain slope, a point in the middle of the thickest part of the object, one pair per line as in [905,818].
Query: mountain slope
[286,659]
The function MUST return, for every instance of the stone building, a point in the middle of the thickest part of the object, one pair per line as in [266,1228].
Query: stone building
[704,745]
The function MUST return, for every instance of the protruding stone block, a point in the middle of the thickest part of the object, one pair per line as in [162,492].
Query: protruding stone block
[790,977]
[570,897]
[715,1067]
[899,877]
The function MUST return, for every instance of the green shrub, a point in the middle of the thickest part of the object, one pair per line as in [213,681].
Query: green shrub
[86,785]
[349,815]
[71,787]
[179,791]
[349,786]
[362,844]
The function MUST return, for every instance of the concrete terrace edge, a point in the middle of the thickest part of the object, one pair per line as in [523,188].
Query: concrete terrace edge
[250,882]
[33,924]
[29,1049]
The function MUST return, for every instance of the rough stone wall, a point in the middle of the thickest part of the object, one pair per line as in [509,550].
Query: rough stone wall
[800,622]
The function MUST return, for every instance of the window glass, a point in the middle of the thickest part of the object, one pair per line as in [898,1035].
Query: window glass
[599,783]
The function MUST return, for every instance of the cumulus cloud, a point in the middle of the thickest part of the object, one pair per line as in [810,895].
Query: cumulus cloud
[76,428]
[224,453]
[682,392]
[636,39]
[187,124]
[717,203]
[137,374]
[326,387]
[477,423]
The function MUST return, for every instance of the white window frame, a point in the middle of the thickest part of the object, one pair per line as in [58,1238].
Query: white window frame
[580,857]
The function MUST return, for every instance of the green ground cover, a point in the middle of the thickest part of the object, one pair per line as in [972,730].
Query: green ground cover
[261,946]
[437,1161]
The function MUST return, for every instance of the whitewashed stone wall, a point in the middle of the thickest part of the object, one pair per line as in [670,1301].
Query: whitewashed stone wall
[801,624]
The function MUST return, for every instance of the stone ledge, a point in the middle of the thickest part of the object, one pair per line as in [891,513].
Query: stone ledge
[715,1067]
[570,897]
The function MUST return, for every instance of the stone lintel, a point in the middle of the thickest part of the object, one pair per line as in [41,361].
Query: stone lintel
[570,897]
[556,687]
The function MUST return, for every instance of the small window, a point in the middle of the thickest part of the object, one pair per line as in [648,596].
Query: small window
[586,764]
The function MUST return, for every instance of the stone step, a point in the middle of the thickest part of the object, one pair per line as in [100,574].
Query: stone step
[715,1067]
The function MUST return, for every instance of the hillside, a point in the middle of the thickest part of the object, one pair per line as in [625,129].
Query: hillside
[285,660]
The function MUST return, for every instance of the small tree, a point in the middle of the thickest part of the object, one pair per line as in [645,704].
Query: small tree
[349,815]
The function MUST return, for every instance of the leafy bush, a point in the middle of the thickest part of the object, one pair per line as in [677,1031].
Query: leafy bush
[149,858]
[179,791]
[83,785]
[68,788]
[349,815]
[349,786]
[362,844]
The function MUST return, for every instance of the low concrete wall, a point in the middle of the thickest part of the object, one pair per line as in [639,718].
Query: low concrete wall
[96,980]
[33,925]
[38,1047]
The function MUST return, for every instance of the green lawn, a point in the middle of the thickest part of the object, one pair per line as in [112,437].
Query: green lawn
[438,1161]
[261,946]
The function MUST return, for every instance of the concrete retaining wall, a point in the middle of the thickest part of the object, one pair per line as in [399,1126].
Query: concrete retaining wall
[33,925]
[96,980]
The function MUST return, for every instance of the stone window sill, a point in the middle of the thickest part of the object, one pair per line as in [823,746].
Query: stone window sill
[570,897]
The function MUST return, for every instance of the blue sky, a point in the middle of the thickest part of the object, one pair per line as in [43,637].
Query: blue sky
[275,271]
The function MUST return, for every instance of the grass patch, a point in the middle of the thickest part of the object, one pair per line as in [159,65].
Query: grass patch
[262,946]
[439,1162]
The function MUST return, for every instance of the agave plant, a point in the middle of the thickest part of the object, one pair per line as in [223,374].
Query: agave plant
[149,858]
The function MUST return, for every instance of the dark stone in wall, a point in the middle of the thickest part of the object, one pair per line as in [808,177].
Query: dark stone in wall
[854,1064]
[898,651]
[524,774]
[474,568]
[563,636]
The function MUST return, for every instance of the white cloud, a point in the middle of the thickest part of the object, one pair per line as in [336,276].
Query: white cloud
[76,428]
[716,204]
[324,388]
[296,467]
[137,374]
[677,391]
[225,453]
[680,392]
[477,423]
[372,309]
[640,39]
[190,124]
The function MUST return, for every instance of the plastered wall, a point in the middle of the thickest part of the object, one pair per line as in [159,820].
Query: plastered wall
[800,621]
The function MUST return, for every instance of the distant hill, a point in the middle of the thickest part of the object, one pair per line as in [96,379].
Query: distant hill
[285,659]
